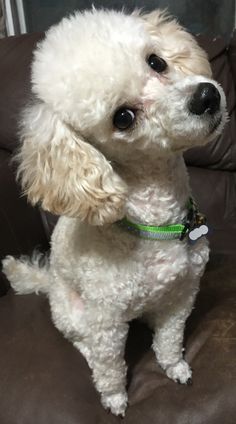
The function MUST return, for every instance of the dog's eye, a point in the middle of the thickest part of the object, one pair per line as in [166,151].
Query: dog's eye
[157,63]
[123,118]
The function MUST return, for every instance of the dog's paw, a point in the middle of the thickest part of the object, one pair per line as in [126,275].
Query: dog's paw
[180,372]
[116,403]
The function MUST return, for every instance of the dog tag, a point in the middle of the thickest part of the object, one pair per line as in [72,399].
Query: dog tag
[198,232]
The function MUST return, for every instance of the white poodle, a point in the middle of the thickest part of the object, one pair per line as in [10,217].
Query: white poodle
[118,98]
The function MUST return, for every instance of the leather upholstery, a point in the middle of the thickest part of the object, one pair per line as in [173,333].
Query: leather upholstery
[43,379]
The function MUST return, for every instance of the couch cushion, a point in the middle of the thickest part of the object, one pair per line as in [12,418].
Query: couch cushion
[44,380]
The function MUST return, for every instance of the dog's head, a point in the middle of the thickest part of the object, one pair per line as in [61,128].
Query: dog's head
[112,86]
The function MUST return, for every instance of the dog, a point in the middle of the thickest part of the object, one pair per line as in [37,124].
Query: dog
[118,98]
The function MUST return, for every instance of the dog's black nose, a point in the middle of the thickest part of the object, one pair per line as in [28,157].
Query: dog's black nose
[205,99]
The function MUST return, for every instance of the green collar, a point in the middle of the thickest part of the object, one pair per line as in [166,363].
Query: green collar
[168,232]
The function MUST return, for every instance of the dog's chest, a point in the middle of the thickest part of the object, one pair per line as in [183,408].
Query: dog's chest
[158,273]
[162,275]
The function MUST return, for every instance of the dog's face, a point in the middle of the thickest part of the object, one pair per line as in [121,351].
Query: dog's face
[111,87]
[129,82]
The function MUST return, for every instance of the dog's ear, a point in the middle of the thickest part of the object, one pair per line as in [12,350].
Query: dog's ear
[178,46]
[66,174]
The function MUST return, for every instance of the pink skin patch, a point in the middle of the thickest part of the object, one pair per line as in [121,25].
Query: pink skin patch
[147,100]
[147,103]
[76,301]
[163,79]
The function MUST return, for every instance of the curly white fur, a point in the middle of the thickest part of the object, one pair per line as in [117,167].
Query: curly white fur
[77,164]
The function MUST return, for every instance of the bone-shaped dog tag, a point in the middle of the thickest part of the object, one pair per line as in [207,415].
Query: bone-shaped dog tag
[198,232]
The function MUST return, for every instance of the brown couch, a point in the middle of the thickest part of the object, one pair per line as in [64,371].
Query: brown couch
[43,379]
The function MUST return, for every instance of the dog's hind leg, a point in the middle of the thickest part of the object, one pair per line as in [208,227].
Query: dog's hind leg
[25,274]
[101,340]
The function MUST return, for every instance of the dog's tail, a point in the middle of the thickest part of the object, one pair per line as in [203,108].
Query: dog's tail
[28,275]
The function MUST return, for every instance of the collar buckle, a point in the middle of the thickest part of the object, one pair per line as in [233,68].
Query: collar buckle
[194,219]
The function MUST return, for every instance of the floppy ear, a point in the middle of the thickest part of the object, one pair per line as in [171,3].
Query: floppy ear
[65,173]
[178,46]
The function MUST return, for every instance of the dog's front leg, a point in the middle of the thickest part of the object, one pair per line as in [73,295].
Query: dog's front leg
[103,349]
[169,325]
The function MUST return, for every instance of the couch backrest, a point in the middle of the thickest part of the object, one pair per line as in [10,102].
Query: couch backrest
[15,59]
